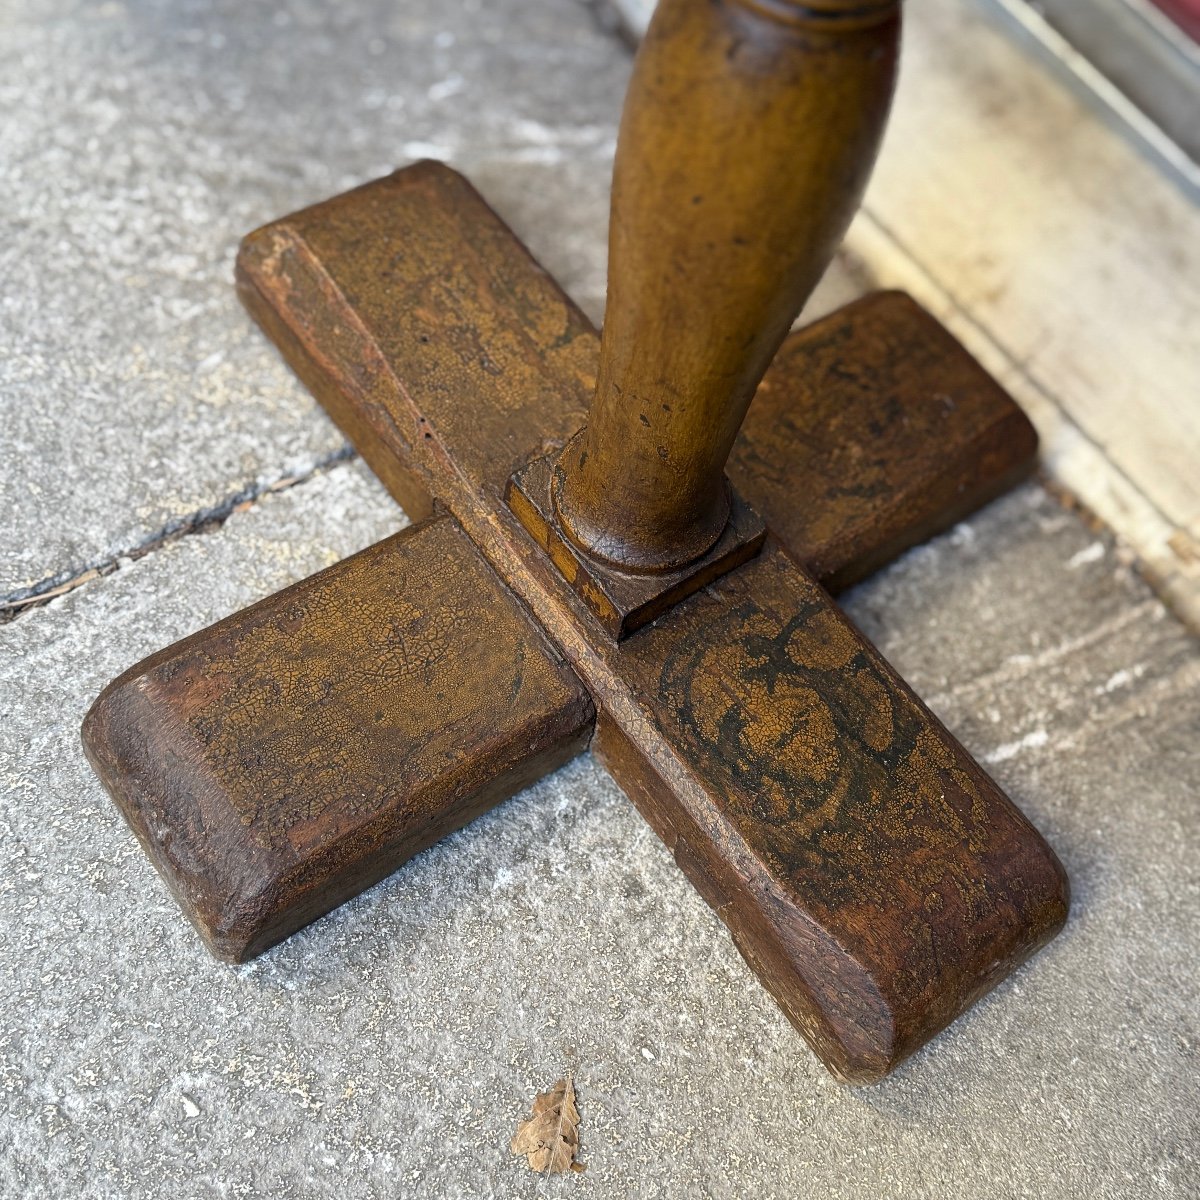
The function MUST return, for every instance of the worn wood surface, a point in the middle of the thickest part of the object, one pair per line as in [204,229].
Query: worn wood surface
[433,338]
[438,241]
[873,430]
[746,140]
[872,875]
[286,758]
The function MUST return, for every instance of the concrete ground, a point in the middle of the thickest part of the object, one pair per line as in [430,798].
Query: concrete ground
[390,1049]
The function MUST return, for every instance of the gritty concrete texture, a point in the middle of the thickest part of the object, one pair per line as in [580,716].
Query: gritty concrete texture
[390,1049]
[140,139]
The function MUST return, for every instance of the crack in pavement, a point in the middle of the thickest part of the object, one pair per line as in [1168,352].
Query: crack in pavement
[206,520]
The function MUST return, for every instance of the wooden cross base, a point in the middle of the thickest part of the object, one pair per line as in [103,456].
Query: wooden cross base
[872,875]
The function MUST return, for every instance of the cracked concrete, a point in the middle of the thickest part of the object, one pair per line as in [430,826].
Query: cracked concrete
[391,1048]
[140,140]
[203,521]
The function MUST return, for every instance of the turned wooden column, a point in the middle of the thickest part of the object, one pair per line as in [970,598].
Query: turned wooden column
[748,134]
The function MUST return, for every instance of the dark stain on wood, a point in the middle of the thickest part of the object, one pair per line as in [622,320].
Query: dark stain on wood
[895,430]
[869,870]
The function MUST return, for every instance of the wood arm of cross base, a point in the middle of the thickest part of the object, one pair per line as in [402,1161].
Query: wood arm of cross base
[874,877]
[281,761]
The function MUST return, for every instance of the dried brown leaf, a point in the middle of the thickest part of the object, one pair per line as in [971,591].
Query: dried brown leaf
[549,1138]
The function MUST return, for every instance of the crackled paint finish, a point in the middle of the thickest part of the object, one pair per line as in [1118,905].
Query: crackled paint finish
[451,359]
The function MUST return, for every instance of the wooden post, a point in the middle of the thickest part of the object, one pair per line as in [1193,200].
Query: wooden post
[748,134]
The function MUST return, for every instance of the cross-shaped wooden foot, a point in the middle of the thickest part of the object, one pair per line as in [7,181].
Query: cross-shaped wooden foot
[583,577]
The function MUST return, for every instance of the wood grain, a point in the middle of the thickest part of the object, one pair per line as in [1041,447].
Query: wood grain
[452,262]
[873,430]
[286,758]
[747,137]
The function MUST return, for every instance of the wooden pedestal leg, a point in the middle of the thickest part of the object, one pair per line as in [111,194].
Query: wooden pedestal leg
[748,134]
[872,875]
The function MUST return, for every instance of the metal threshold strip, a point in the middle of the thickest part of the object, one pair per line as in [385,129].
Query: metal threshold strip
[1132,63]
